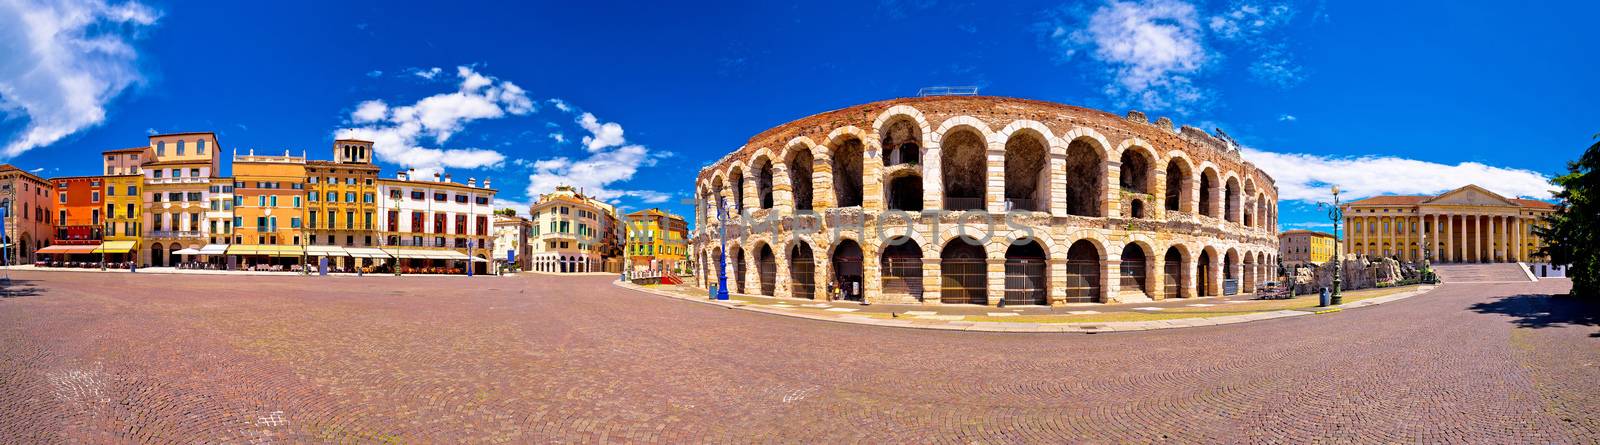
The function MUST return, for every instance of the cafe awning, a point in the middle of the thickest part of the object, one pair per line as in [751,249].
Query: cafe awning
[66,249]
[427,254]
[214,249]
[187,251]
[265,249]
[366,252]
[116,247]
[326,251]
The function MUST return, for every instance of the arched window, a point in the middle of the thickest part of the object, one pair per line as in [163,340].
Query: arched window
[800,178]
[903,141]
[1027,185]
[963,163]
[847,170]
[1084,179]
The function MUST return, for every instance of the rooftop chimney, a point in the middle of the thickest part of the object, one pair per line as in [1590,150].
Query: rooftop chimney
[446,177]
[435,176]
[472,182]
[401,175]
[485,182]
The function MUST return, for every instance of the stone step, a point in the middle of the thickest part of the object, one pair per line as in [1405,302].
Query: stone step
[1469,273]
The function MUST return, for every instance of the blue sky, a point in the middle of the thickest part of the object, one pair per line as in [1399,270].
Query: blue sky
[630,100]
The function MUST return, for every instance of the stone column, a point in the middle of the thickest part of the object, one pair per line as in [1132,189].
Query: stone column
[1520,238]
[752,198]
[1058,182]
[1111,199]
[931,288]
[872,176]
[1058,280]
[822,196]
[1111,277]
[933,180]
[1187,278]
[994,189]
[781,277]
[1449,238]
[1157,282]
[782,189]
[997,280]
[871,273]
[1366,225]
[1477,238]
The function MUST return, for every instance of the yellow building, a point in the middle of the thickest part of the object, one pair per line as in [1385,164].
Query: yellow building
[657,240]
[1466,225]
[177,175]
[342,200]
[574,233]
[123,214]
[1298,247]
[268,209]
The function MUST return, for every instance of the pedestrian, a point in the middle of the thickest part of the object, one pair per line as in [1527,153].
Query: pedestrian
[833,289]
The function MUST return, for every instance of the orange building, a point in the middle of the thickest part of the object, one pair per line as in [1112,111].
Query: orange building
[80,227]
[269,207]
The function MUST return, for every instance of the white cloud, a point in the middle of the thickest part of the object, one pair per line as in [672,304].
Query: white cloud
[1307,177]
[398,132]
[561,105]
[602,134]
[559,138]
[1275,66]
[609,162]
[375,73]
[64,60]
[1249,20]
[429,73]
[1152,49]
[370,111]
[1287,118]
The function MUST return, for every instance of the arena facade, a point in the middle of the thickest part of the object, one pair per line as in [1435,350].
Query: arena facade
[986,200]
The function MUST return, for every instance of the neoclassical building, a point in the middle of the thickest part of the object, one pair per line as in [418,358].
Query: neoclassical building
[1466,225]
[983,200]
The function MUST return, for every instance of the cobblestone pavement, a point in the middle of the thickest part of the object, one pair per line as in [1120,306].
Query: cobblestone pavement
[107,358]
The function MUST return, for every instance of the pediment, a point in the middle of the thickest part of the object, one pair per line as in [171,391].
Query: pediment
[1471,195]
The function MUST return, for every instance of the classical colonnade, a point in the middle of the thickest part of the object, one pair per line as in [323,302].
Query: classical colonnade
[1451,237]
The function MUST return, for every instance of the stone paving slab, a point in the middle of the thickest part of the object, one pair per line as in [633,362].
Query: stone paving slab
[959,323]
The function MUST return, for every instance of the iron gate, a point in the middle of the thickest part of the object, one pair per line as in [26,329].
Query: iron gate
[768,268]
[1171,281]
[802,277]
[964,281]
[1025,282]
[1083,281]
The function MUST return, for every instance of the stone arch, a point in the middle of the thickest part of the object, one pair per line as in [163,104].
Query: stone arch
[1208,192]
[963,275]
[1231,199]
[963,166]
[847,269]
[847,153]
[1176,274]
[1180,185]
[1247,279]
[801,164]
[1206,266]
[158,255]
[1027,273]
[1137,176]
[766,269]
[1251,217]
[761,167]
[900,262]
[1083,271]
[1027,172]
[1137,269]
[903,135]
[736,182]
[1231,264]
[1085,173]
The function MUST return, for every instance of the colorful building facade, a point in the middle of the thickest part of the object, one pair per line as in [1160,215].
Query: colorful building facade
[574,233]
[177,183]
[29,203]
[432,224]
[657,240]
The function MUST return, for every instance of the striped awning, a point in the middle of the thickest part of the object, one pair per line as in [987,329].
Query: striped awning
[427,254]
[116,247]
[214,249]
[264,249]
[67,249]
[366,252]
[326,251]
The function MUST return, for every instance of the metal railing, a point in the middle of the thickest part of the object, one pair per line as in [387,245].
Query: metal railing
[957,203]
[964,281]
[177,234]
[1025,282]
[903,276]
[1082,281]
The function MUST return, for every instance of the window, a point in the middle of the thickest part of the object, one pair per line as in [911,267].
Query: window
[366,198]
[63,218]
[349,196]
[94,196]
[438,196]
[174,196]
[195,196]
[461,199]
[294,223]
[274,200]
[63,197]
[349,220]
[333,197]
[130,210]
[312,180]
[394,194]
[194,172]
[416,222]
[297,202]
[483,200]
[238,200]
[438,223]
[155,197]
[161,150]
[133,190]
[313,197]
[367,223]
[200,147]
[461,225]
[180,147]
[238,221]
[416,194]
[261,201]
[156,174]
[111,211]
[313,219]
[332,219]
[177,173]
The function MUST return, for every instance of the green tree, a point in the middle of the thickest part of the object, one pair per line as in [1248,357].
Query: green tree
[506,211]
[1570,233]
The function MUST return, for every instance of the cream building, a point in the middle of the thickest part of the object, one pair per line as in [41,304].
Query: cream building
[511,235]
[1466,225]
[571,233]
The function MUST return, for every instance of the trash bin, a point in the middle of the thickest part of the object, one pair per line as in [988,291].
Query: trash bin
[1325,297]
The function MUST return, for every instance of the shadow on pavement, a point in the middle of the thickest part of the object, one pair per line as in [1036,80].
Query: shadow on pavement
[1541,311]
[19,288]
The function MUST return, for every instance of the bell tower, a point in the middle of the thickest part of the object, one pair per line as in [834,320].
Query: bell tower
[352,151]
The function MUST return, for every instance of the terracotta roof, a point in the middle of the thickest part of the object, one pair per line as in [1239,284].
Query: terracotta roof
[127,150]
[1307,232]
[1534,203]
[1391,200]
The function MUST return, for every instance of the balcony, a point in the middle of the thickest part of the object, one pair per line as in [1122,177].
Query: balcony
[182,180]
[176,234]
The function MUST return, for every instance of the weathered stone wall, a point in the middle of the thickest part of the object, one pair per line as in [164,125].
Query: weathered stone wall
[1067,161]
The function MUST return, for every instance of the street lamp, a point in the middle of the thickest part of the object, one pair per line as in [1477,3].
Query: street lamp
[722,257]
[1337,215]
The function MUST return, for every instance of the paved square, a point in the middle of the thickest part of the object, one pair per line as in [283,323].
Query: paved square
[118,358]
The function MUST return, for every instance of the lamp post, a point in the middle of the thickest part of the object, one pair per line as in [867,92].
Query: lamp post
[105,228]
[722,257]
[1336,214]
